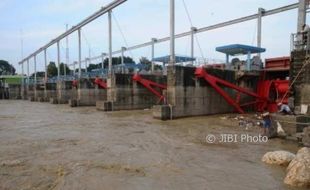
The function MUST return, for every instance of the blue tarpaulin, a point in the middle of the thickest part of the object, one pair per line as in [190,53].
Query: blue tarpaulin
[239,49]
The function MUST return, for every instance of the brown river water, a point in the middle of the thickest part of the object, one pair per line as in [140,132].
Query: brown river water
[45,146]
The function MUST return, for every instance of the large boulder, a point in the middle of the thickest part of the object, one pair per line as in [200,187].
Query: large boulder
[280,157]
[298,171]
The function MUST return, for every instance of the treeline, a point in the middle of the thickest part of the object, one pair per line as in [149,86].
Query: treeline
[52,70]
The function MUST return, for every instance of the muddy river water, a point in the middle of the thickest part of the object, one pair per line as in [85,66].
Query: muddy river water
[44,146]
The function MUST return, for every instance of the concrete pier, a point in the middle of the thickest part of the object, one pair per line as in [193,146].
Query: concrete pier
[63,90]
[301,86]
[125,94]
[50,91]
[87,94]
[188,96]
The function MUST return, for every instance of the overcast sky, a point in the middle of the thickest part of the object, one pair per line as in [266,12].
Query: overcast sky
[37,22]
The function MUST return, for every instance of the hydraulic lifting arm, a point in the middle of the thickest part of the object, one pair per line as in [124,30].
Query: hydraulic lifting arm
[101,83]
[215,82]
[150,85]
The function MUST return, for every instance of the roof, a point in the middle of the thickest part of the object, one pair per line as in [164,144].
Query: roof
[178,59]
[239,49]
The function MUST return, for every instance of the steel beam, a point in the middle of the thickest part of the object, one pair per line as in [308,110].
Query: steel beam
[213,27]
[89,19]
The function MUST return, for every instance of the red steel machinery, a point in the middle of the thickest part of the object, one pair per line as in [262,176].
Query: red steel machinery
[151,86]
[269,92]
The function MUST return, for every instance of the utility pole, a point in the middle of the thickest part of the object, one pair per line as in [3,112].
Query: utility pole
[172,32]
[110,41]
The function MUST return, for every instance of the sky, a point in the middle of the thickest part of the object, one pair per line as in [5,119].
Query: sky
[37,22]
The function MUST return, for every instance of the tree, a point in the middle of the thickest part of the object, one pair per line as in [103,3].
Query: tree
[146,63]
[6,68]
[64,68]
[93,66]
[117,61]
[52,69]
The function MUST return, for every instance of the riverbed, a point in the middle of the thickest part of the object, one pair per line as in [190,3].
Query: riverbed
[45,146]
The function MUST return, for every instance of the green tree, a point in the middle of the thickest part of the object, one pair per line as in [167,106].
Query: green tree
[6,68]
[117,61]
[64,67]
[146,63]
[51,69]
[93,66]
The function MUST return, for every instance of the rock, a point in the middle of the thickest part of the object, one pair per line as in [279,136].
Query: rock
[298,171]
[280,157]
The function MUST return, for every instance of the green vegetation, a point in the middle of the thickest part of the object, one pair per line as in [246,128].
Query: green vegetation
[6,68]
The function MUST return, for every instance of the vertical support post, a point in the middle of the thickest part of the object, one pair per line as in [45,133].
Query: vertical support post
[35,77]
[122,55]
[58,61]
[193,31]
[302,12]
[110,41]
[259,28]
[249,61]
[122,59]
[23,81]
[80,52]
[154,40]
[35,69]
[45,77]
[67,52]
[45,65]
[102,62]
[227,61]
[172,32]
[28,75]
[74,63]
[86,60]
